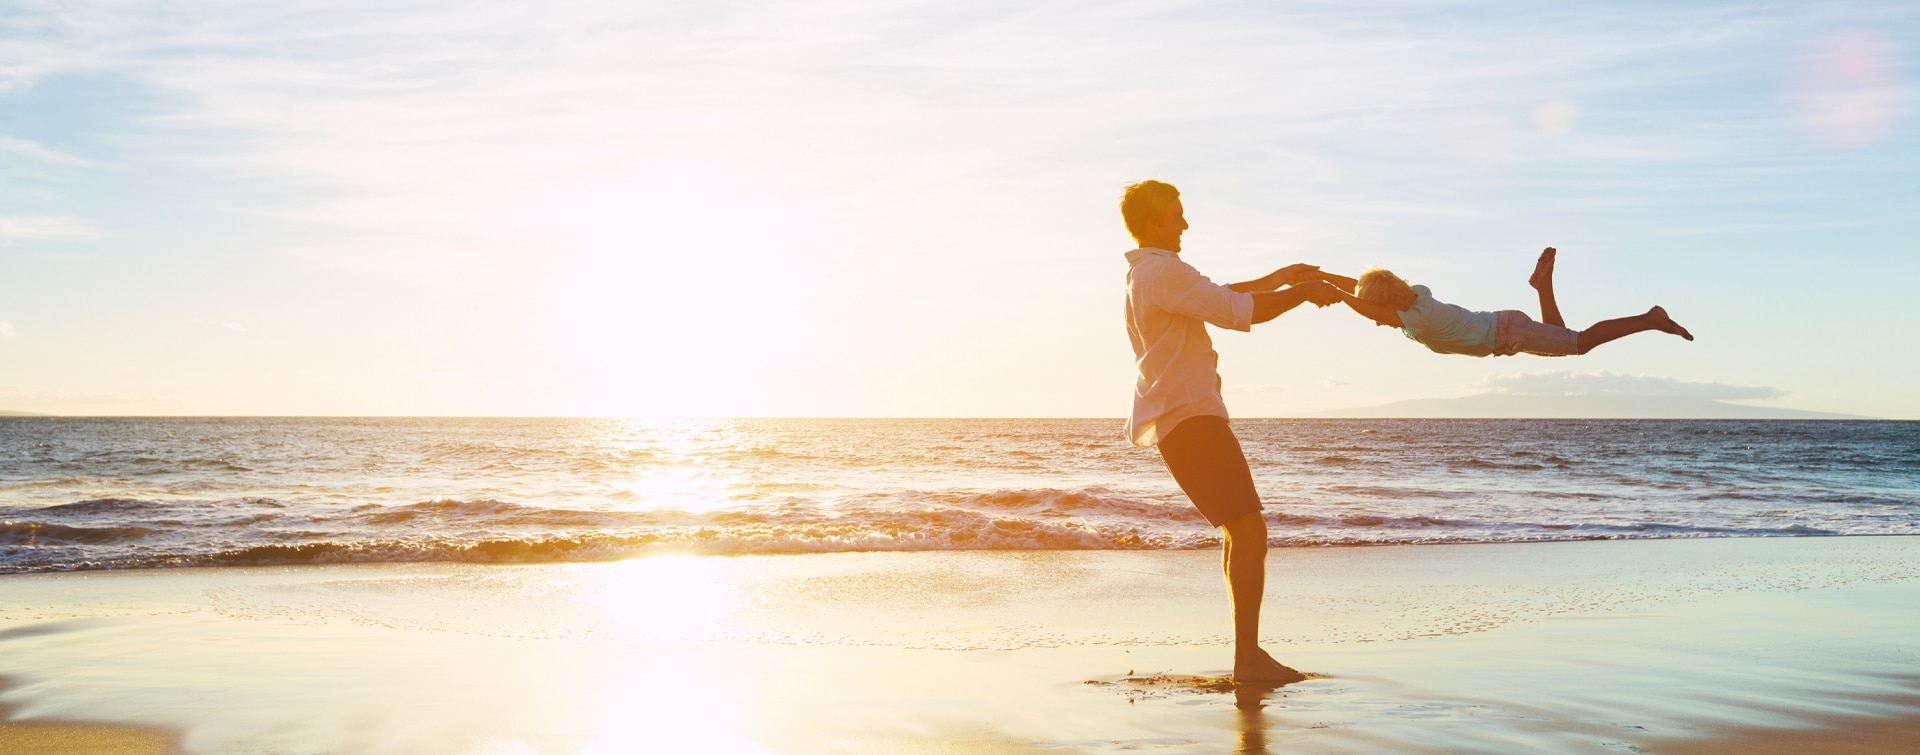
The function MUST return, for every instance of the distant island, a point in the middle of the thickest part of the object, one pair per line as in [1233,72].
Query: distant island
[5,413]
[1520,406]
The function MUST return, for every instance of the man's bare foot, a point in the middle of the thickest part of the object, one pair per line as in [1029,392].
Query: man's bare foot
[1543,271]
[1260,668]
[1666,324]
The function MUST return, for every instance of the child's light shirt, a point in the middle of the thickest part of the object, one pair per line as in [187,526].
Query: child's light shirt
[1446,328]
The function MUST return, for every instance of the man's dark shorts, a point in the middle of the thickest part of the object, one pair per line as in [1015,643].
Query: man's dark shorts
[1206,460]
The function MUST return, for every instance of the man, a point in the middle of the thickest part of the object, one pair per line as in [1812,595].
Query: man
[1177,405]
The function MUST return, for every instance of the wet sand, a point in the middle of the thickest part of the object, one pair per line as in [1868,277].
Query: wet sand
[1647,646]
[85,739]
[1856,736]
[80,737]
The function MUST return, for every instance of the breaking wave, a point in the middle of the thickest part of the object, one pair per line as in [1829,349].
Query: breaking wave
[260,532]
[136,493]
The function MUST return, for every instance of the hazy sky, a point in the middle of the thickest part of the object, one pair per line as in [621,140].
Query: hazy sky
[869,208]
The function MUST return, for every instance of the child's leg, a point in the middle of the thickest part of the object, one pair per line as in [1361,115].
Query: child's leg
[1542,281]
[1608,330]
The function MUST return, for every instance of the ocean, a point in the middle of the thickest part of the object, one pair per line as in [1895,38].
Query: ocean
[120,493]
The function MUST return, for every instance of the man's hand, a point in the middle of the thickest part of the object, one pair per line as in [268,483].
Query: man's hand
[1290,275]
[1295,274]
[1270,304]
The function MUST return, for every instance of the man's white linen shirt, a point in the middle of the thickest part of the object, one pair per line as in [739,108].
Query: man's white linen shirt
[1168,307]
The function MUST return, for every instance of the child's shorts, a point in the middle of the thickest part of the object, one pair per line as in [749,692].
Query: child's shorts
[1515,332]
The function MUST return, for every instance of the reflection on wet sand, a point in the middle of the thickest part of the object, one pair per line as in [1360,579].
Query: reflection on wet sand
[668,704]
[1251,705]
[1249,700]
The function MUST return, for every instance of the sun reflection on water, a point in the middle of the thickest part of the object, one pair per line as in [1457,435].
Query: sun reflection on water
[683,488]
[673,707]
[667,701]
[683,472]
[664,598]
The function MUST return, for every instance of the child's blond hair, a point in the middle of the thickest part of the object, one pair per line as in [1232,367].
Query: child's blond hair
[1381,286]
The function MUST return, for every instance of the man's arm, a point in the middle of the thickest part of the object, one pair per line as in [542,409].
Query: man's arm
[1375,312]
[1270,304]
[1286,276]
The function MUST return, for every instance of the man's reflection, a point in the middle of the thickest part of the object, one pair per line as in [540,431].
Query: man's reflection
[1251,704]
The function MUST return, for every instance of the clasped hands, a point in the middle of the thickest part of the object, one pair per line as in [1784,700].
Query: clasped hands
[1309,281]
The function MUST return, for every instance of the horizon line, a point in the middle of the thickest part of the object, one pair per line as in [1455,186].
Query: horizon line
[1317,416]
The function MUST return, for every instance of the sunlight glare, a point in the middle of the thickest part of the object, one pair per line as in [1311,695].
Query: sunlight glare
[676,291]
[668,703]
[683,476]
[664,598]
[1554,118]
[681,489]
[1846,91]
[672,707]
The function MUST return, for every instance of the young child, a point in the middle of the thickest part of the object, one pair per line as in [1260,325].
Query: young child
[1384,298]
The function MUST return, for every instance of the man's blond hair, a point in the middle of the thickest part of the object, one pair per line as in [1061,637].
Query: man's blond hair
[1145,204]
[1381,286]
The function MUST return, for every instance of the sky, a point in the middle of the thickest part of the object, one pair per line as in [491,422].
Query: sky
[899,208]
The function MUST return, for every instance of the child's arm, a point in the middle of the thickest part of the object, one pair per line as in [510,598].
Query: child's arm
[1339,281]
[1375,312]
[1286,276]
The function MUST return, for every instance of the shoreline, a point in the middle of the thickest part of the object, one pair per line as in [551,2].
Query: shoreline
[1675,645]
[670,552]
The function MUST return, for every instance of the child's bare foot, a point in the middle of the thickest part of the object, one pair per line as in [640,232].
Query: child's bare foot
[1666,324]
[1543,271]
[1262,669]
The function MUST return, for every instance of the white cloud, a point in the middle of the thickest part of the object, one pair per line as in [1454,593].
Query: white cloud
[45,227]
[36,151]
[1570,383]
[429,124]
[6,329]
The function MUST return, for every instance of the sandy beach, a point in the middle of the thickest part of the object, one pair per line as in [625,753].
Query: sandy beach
[1649,646]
